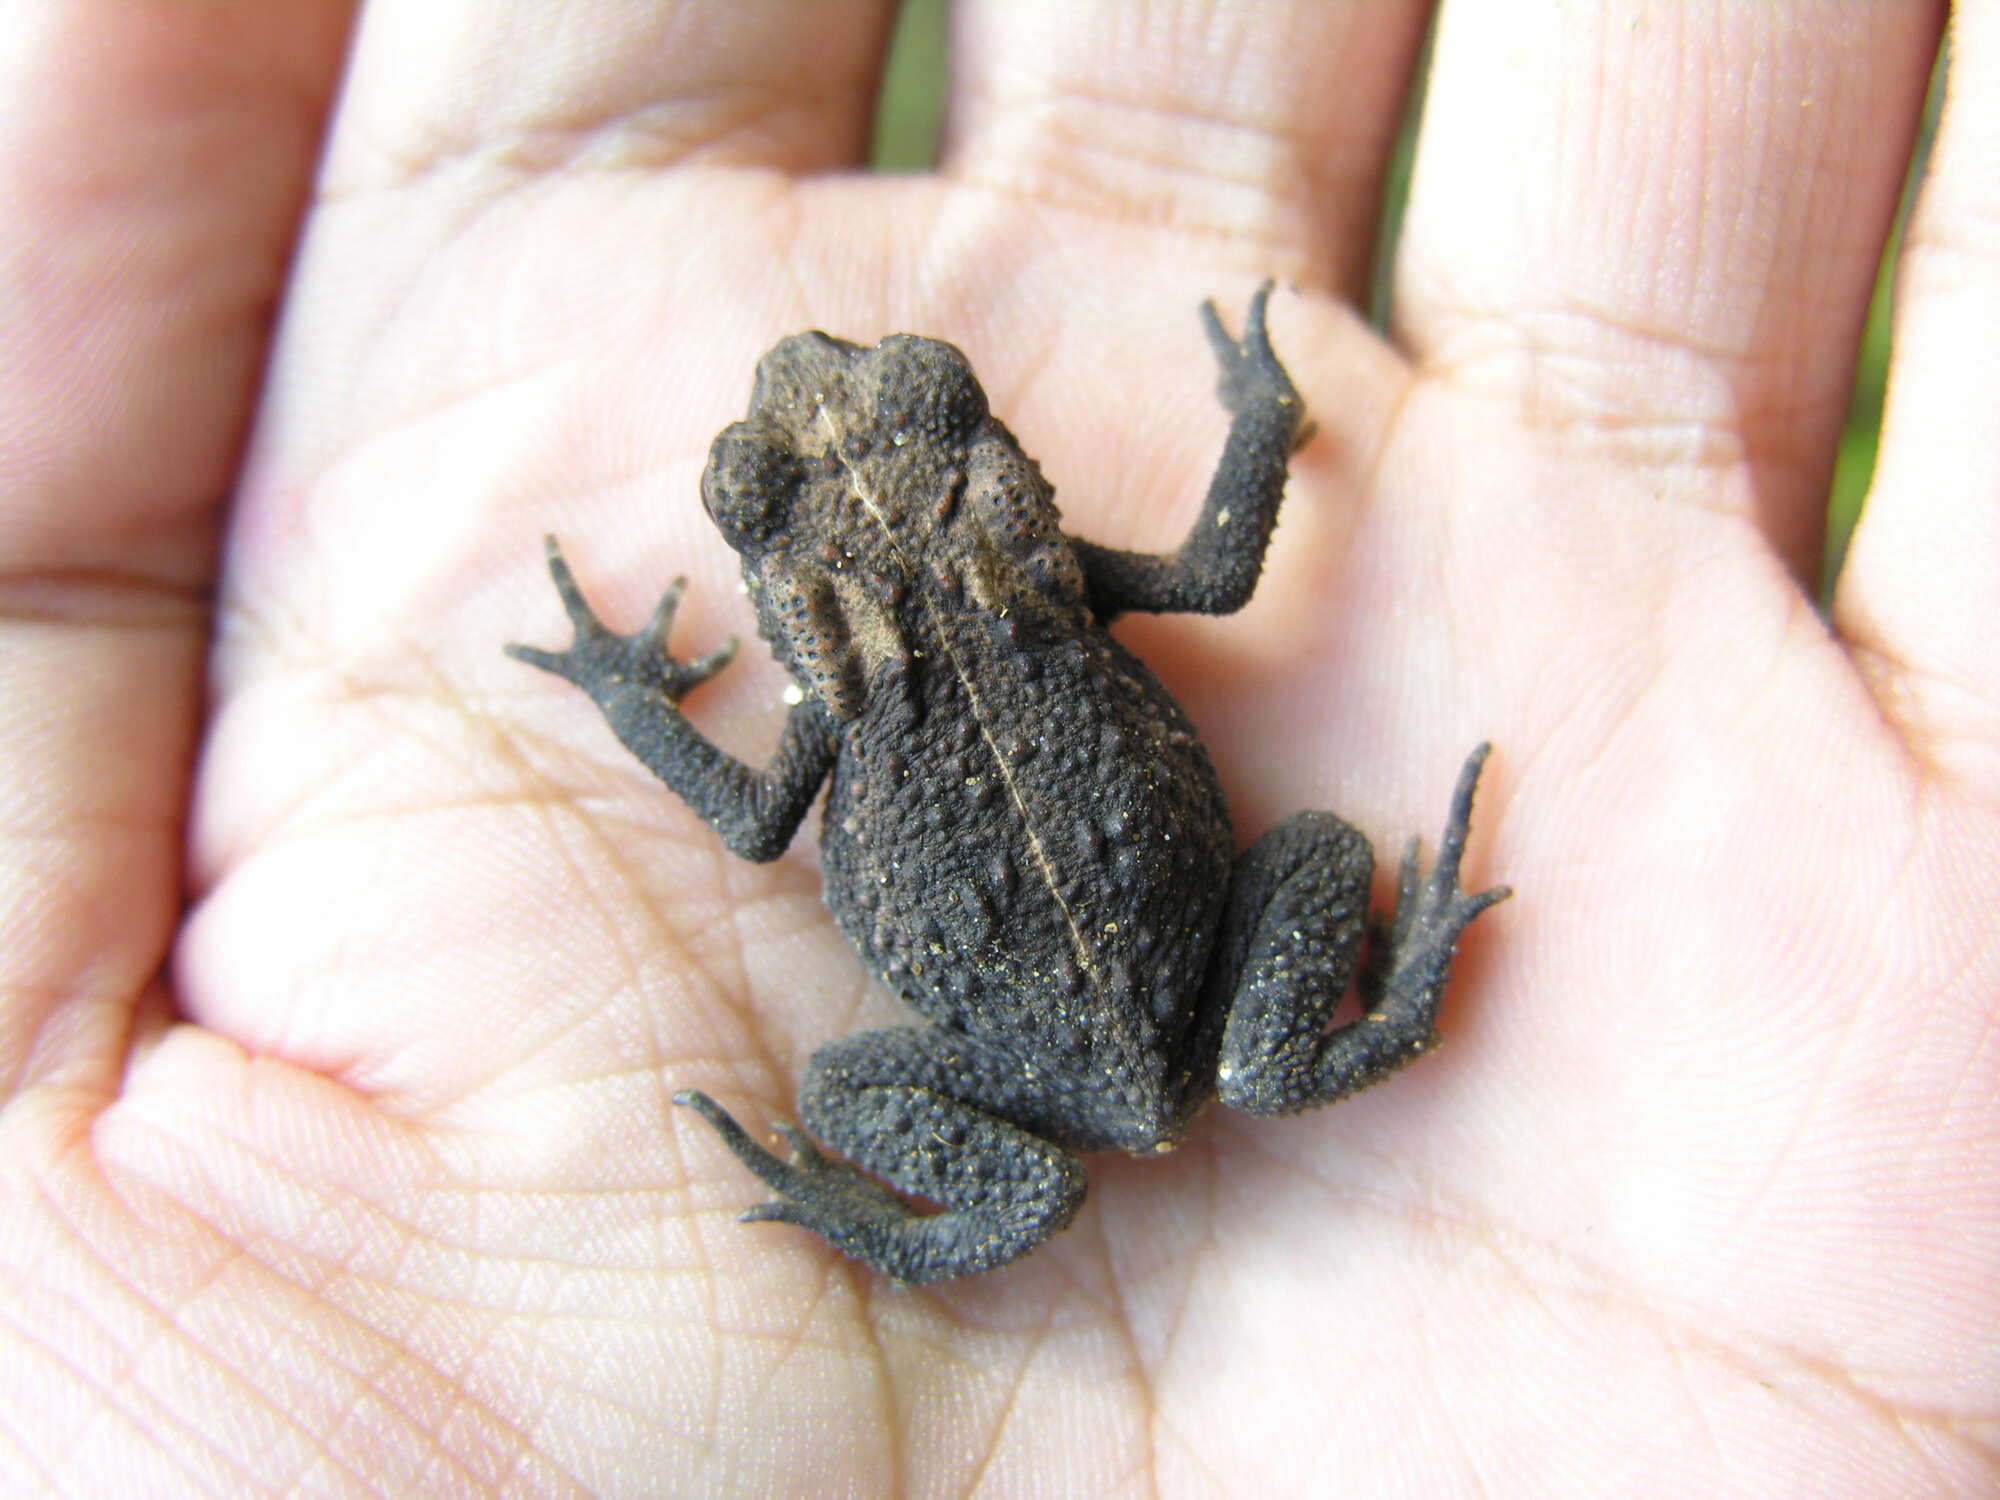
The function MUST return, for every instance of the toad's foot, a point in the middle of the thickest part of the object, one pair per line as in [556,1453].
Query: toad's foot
[1004,1190]
[1298,908]
[1431,912]
[607,665]
[1250,378]
[814,1191]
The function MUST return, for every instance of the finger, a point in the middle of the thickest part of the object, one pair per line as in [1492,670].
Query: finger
[522,86]
[1652,227]
[141,250]
[1921,586]
[1265,127]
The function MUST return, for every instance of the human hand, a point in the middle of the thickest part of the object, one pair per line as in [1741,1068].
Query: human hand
[345,990]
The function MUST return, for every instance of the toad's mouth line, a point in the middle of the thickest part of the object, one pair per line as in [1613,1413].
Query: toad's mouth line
[940,630]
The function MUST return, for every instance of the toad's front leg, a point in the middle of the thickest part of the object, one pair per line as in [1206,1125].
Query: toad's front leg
[1298,909]
[1215,569]
[638,687]
[908,1104]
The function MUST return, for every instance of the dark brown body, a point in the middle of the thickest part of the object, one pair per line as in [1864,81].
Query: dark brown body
[1023,836]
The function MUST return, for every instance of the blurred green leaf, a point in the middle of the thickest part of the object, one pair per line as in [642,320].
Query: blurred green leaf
[910,108]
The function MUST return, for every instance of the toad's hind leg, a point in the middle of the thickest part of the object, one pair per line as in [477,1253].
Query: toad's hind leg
[1298,908]
[889,1101]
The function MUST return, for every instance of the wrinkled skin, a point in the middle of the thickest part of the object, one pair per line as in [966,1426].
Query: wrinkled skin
[349,967]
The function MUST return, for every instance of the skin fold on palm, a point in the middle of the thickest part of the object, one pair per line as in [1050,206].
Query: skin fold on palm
[351,969]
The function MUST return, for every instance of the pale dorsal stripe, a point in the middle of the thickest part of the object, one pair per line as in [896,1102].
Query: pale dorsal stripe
[941,628]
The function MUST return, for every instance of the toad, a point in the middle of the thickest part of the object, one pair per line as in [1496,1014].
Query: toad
[1023,838]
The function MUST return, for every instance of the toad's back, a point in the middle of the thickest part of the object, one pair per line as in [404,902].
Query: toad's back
[1025,840]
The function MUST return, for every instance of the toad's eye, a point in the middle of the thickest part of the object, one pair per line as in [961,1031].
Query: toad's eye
[749,484]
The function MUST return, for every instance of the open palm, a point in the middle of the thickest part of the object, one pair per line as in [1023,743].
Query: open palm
[349,966]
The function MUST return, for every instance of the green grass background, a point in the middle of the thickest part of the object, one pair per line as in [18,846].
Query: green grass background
[906,134]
